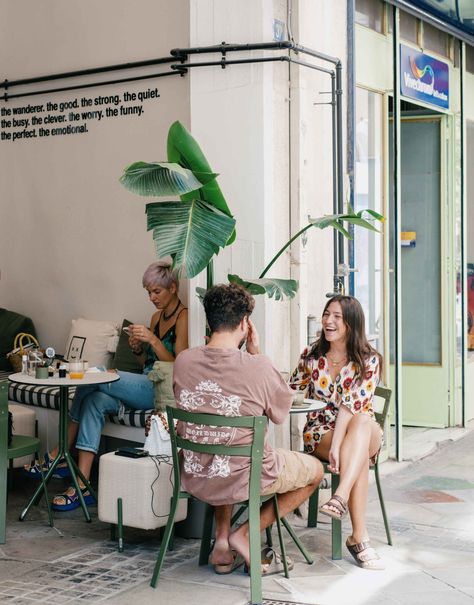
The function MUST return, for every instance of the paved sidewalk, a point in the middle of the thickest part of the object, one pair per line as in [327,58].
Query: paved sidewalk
[430,503]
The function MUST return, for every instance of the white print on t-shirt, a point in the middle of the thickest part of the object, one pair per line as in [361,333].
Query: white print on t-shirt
[219,467]
[210,393]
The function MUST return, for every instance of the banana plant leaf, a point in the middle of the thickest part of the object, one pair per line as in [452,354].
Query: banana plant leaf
[278,288]
[336,221]
[191,232]
[160,178]
[183,149]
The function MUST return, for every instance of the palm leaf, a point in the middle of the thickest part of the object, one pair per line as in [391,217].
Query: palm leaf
[278,288]
[191,232]
[159,178]
[184,150]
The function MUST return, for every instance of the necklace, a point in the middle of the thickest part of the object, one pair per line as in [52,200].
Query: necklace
[333,362]
[166,317]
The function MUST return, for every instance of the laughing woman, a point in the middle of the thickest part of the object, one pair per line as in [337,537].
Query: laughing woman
[342,369]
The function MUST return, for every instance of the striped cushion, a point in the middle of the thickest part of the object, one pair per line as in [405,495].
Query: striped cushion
[48,397]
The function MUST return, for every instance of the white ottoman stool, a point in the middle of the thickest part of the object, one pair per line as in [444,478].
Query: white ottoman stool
[24,423]
[144,486]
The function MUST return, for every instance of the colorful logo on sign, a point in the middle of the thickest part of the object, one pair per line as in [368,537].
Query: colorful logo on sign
[424,78]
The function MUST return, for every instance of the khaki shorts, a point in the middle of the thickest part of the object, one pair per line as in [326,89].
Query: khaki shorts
[299,470]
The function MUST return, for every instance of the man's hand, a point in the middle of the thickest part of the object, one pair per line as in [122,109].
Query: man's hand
[253,339]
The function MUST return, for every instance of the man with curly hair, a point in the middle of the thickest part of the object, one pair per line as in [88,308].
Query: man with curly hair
[221,378]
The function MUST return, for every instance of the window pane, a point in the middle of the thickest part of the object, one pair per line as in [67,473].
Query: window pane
[370,14]
[368,246]
[408,27]
[436,40]
[470,59]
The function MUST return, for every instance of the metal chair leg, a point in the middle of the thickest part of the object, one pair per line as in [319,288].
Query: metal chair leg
[382,504]
[313,508]
[336,525]
[280,535]
[206,535]
[164,542]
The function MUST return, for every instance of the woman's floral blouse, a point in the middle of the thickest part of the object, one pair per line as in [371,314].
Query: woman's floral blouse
[313,378]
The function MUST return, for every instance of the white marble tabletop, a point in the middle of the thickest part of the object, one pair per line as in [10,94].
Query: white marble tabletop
[309,405]
[89,378]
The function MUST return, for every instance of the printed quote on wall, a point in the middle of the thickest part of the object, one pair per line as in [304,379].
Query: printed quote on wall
[62,118]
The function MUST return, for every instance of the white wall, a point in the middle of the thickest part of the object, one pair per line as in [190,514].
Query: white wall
[73,241]
[271,146]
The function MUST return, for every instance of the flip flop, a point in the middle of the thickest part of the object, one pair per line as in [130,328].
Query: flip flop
[71,501]
[272,562]
[227,568]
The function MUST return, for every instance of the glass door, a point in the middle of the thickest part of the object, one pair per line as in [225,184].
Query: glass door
[424,269]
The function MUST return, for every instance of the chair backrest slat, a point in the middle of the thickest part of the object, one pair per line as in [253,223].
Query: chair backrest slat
[385,394]
[254,450]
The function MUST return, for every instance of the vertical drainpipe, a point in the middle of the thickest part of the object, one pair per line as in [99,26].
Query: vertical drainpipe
[397,274]
[463,277]
[351,79]
[334,176]
[340,162]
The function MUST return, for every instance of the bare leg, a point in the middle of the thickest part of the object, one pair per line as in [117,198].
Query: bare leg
[362,440]
[357,507]
[239,539]
[222,552]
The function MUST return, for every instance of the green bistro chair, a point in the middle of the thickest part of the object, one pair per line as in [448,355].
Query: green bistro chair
[254,451]
[21,445]
[336,529]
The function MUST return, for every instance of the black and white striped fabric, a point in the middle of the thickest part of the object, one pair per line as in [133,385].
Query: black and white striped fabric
[48,397]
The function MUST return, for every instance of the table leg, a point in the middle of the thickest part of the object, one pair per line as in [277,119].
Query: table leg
[63,452]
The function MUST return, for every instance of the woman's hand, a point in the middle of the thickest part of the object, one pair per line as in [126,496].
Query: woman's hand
[333,465]
[253,339]
[139,333]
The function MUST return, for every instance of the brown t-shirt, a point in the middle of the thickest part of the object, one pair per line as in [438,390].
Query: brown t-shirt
[232,383]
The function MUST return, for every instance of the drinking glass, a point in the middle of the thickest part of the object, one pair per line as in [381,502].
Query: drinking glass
[76,370]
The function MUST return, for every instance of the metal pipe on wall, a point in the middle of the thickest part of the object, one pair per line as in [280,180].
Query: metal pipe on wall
[397,274]
[351,109]
[463,212]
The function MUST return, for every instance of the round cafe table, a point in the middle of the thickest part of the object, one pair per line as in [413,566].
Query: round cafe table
[90,378]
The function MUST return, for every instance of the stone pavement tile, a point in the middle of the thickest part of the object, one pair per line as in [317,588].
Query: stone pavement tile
[457,576]
[442,597]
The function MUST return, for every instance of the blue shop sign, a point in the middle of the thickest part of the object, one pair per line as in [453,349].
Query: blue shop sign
[424,78]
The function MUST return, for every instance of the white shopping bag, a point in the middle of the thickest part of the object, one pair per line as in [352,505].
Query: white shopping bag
[158,441]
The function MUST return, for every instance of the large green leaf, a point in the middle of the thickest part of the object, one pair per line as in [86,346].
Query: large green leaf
[279,288]
[191,232]
[184,150]
[160,178]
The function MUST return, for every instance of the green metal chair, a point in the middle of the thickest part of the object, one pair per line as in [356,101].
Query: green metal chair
[336,529]
[254,451]
[21,445]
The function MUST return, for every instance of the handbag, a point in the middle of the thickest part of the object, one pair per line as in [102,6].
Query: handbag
[161,376]
[158,441]
[23,342]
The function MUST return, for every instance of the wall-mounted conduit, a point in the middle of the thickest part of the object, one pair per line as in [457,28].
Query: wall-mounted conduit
[182,55]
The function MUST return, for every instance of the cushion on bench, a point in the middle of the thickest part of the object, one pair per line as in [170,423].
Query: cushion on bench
[48,397]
